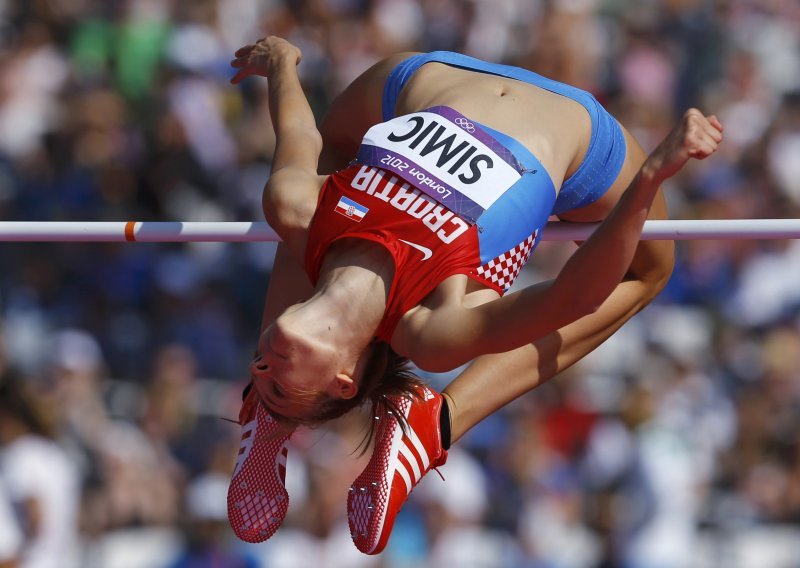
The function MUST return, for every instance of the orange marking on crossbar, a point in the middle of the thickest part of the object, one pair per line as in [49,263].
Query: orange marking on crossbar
[129,236]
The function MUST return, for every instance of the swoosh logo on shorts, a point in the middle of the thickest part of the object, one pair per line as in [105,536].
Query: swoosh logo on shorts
[426,252]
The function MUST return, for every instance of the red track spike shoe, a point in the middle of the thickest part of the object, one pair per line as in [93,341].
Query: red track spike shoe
[257,497]
[399,460]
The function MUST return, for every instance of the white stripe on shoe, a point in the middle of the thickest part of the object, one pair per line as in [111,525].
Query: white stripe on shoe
[394,465]
[421,451]
[418,461]
[406,452]
[401,469]
[246,444]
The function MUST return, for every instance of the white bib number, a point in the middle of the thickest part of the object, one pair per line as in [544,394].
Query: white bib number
[445,155]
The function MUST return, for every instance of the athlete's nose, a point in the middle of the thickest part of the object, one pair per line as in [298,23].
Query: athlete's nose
[258,367]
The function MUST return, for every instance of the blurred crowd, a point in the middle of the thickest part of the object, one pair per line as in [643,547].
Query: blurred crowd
[674,445]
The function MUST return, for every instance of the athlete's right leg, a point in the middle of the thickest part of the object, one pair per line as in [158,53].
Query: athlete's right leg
[257,497]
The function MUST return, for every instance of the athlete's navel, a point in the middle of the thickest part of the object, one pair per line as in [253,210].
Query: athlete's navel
[508,96]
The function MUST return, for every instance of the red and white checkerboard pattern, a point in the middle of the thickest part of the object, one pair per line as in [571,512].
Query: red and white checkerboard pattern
[503,270]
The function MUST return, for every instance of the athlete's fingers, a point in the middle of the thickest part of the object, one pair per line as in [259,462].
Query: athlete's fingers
[716,123]
[716,134]
[703,148]
[701,134]
[242,51]
[699,139]
[713,128]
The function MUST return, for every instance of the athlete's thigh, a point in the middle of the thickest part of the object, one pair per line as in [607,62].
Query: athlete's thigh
[477,294]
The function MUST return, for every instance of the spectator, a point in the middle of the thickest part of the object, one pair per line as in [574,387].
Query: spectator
[10,533]
[42,482]
[208,534]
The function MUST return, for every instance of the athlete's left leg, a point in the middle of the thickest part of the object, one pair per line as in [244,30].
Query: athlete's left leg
[492,381]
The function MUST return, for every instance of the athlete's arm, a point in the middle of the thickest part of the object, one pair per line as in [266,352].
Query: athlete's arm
[288,285]
[452,335]
[350,115]
[290,195]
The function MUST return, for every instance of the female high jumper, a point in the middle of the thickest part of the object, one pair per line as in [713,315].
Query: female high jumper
[406,252]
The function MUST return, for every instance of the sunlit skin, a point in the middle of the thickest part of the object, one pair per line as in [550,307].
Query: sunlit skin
[321,345]
[293,367]
[321,341]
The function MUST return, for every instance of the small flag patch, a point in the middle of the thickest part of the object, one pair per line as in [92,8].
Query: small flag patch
[351,209]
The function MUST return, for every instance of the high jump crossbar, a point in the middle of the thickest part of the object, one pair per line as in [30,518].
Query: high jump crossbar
[248,232]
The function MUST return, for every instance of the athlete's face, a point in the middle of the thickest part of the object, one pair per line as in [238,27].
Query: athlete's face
[292,373]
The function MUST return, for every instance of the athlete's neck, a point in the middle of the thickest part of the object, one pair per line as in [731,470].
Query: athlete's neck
[351,293]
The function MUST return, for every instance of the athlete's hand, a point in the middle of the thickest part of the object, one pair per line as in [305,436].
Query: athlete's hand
[695,136]
[262,57]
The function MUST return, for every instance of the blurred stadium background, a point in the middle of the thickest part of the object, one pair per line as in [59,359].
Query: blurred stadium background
[675,445]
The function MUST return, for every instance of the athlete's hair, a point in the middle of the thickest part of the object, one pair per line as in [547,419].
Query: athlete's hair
[386,374]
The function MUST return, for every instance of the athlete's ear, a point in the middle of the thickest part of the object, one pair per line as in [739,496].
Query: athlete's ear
[343,386]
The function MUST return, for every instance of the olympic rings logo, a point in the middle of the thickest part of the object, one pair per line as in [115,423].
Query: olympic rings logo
[465,124]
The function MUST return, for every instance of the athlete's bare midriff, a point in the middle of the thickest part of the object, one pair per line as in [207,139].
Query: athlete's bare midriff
[554,128]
